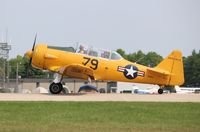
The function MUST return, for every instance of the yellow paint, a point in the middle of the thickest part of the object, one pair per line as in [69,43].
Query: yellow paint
[168,72]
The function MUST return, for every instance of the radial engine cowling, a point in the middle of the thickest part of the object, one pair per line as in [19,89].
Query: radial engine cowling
[38,54]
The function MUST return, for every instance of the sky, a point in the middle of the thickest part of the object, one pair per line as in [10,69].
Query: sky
[148,25]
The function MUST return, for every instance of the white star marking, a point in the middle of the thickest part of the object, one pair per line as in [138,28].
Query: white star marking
[131,71]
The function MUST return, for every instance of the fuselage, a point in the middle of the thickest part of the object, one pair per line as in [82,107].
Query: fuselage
[103,69]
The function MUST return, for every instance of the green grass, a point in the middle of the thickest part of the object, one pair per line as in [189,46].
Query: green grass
[99,116]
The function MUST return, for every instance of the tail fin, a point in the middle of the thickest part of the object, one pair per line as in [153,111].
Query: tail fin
[173,64]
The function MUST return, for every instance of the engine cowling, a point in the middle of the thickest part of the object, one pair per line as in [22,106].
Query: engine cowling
[38,56]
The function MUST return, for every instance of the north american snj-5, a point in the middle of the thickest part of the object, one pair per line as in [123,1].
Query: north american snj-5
[94,64]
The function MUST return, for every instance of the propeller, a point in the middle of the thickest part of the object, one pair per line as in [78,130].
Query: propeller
[34,42]
[33,49]
[31,56]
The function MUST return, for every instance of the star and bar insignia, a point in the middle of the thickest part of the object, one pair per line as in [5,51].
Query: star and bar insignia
[130,71]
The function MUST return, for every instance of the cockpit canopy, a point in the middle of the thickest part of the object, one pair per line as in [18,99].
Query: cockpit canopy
[98,52]
[88,50]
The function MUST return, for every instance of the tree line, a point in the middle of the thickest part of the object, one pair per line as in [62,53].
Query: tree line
[151,59]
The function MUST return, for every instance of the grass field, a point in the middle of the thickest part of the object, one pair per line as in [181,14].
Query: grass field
[99,116]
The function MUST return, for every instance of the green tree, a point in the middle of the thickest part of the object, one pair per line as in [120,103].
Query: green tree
[192,69]
[122,53]
[24,69]
[2,72]
[137,57]
[152,59]
[149,59]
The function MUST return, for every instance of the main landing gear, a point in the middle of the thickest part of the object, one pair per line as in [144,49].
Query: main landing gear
[160,90]
[56,87]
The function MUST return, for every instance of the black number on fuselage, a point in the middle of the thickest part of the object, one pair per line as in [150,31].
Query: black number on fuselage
[93,62]
[87,60]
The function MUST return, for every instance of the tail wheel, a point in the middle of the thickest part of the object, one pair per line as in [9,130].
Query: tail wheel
[160,91]
[55,88]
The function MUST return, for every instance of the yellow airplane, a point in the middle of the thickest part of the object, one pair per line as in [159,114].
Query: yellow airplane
[104,65]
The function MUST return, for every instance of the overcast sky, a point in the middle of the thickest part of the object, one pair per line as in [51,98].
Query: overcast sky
[149,25]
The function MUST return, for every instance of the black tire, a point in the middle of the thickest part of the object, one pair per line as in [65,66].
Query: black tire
[160,91]
[55,88]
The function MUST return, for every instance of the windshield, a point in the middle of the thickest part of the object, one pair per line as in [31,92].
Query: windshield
[115,56]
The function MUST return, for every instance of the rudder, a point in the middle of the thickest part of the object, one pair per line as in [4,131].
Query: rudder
[173,64]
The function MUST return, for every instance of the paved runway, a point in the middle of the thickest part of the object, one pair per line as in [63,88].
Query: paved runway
[101,97]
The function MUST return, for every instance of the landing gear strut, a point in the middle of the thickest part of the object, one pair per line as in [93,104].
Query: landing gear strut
[56,87]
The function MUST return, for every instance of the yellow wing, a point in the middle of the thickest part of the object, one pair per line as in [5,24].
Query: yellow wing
[74,71]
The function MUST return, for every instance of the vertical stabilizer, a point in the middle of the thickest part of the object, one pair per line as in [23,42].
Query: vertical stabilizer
[173,64]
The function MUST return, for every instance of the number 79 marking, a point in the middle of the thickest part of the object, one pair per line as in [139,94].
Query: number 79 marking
[94,62]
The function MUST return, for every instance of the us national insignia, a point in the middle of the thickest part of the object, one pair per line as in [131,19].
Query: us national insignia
[130,71]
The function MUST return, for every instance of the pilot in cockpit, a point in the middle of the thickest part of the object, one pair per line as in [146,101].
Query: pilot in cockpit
[81,49]
[105,54]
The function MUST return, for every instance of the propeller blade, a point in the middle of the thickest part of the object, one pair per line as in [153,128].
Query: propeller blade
[30,61]
[33,48]
[34,42]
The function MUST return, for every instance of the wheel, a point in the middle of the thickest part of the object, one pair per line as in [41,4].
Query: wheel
[160,91]
[55,88]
